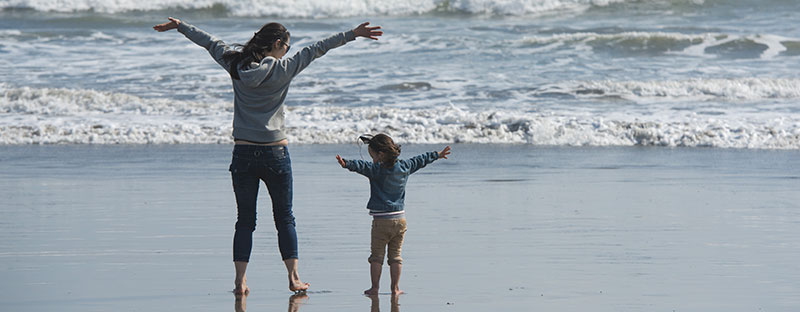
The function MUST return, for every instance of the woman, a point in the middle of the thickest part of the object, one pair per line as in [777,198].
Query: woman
[261,78]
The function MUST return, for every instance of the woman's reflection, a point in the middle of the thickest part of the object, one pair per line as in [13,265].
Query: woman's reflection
[295,301]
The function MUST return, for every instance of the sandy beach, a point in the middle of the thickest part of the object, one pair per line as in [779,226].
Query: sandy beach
[496,227]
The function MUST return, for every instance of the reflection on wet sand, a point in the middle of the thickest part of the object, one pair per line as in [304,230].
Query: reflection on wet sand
[295,301]
[241,303]
[376,303]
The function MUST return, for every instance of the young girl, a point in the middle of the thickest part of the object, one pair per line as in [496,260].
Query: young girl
[260,75]
[387,180]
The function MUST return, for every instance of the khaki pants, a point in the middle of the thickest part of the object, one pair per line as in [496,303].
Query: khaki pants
[387,232]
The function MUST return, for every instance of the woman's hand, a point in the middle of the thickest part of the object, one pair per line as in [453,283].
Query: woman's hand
[172,24]
[444,152]
[341,161]
[368,32]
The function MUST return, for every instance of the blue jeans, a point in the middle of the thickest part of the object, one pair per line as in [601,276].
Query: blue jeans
[252,164]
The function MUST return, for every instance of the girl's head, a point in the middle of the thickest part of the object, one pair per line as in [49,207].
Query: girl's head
[382,149]
[271,40]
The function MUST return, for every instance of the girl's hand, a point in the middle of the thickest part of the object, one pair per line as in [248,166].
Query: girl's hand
[341,161]
[368,32]
[172,24]
[444,152]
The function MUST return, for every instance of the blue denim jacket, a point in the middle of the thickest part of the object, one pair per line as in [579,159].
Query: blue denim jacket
[387,186]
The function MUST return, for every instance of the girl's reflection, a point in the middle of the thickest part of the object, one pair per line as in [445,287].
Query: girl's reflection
[376,303]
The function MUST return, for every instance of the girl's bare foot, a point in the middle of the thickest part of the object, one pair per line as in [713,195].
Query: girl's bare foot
[240,292]
[396,292]
[371,292]
[241,288]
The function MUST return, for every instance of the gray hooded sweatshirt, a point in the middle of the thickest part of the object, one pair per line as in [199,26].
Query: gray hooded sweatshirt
[258,110]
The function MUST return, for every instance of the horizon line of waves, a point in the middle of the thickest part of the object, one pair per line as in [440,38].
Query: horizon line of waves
[316,8]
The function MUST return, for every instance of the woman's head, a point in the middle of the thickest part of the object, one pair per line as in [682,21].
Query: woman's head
[271,40]
[382,149]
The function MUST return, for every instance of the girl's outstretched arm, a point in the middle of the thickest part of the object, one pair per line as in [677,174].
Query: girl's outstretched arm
[364,168]
[341,161]
[420,161]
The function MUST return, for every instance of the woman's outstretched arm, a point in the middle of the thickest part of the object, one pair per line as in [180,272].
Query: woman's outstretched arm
[215,46]
[172,24]
[364,30]
[295,64]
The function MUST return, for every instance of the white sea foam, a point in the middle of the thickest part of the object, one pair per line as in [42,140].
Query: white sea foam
[449,124]
[314,8]
[55,102]
[53,116]
[10,32]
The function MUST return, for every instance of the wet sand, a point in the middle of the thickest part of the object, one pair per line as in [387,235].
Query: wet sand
[496,227]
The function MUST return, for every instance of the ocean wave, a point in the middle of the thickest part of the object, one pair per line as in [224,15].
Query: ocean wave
[694,89]
[792,47]
[62,116]
[55,102]
[313,8]
[652,43]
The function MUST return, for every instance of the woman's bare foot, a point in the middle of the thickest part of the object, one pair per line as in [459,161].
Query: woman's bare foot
[299,287]
[371,292]
[240,282]
[396,292]
[295,284]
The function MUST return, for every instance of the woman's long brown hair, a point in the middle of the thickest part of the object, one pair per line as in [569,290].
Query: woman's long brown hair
[256,49]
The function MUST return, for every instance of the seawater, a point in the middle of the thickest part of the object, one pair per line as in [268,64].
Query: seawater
[542,72]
